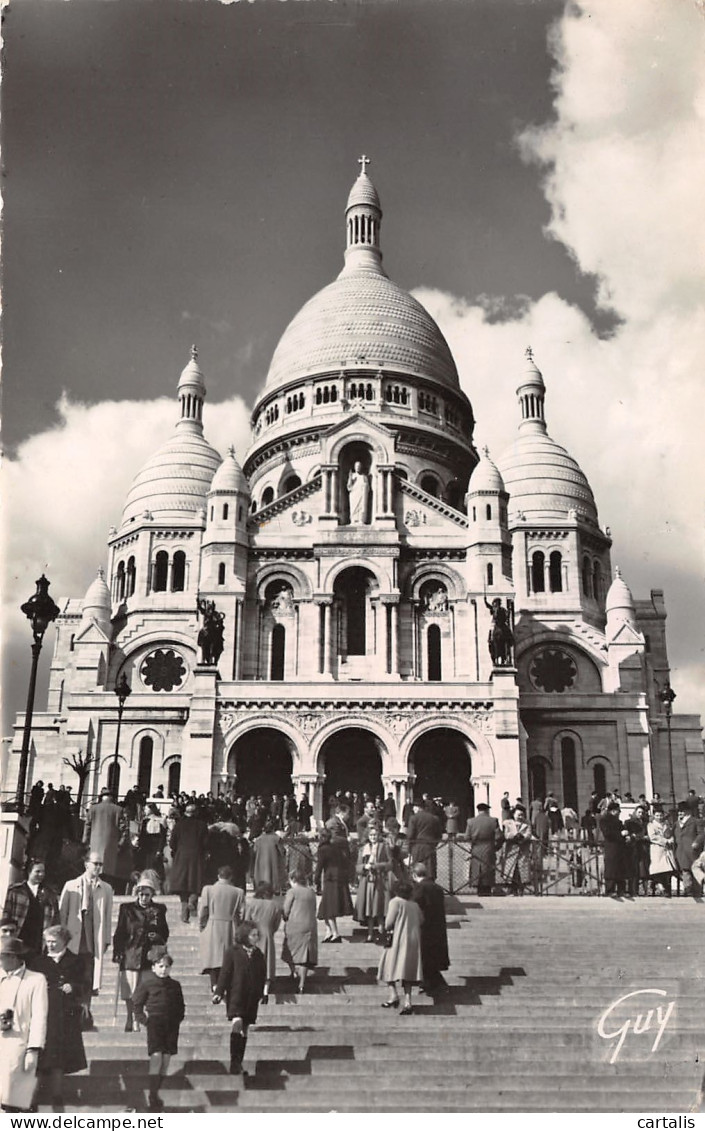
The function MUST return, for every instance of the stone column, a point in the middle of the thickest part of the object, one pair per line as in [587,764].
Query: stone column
[394,641]
[325,604]
[239,638]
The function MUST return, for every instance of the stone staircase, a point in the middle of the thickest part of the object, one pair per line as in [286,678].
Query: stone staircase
[518,1030]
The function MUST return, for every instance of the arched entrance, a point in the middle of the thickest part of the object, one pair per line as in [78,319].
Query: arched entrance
[351,759]
[441,759]
[261,762]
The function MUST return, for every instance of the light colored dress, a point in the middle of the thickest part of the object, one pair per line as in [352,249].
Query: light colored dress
[301,928]
[402,960]
[220,908]
[266,913]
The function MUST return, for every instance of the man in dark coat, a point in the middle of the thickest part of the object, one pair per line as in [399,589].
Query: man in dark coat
[688,834]
[485,836]
[33,905]
[614,850]
[423,833]
[107,830]
[188,843]
[305,813]
[434,932]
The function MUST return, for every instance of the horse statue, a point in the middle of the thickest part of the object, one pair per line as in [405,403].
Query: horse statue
[501,637]
[211,634]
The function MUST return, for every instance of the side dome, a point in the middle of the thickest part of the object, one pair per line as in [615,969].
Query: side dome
[97,599]
[543,480]
[229,479]
[486,476]
[174,482]
[362,316]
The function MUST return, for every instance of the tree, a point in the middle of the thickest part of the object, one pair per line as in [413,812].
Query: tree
[81,764]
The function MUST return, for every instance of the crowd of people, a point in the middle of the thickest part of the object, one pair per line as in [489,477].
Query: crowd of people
[238,889]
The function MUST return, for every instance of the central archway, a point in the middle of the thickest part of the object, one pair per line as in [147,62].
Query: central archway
[261,763]
[351,759]
[441,759]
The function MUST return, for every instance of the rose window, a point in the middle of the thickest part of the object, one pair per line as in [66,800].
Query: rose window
[163,670]
[552,670]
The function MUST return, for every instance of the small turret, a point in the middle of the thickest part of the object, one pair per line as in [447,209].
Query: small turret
[619,606]
[486,503]
[96,605]
[192,393]
[227,507]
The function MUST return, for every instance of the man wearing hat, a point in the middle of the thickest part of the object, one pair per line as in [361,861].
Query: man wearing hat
[485,836]
[689,844]
[23,1025]
[86,908]
[140,926]
[107,829]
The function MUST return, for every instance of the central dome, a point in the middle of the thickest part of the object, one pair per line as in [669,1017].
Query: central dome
[362,318]
[365,318]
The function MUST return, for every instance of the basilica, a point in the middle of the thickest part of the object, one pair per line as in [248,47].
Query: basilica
[363,600]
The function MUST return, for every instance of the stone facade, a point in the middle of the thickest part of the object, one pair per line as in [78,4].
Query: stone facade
[358,558]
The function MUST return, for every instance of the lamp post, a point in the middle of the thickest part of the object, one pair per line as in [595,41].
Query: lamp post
[40,611]
[667,695]
[122,691]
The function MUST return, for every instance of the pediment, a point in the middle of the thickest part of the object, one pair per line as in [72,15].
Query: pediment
[91,634]
[421,511]
[627,634]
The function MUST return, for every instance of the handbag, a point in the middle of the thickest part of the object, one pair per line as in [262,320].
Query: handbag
[387,939]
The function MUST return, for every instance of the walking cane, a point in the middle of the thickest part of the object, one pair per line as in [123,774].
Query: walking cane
[117,995]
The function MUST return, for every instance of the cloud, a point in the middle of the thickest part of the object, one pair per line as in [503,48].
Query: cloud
[65,488]
[623,168]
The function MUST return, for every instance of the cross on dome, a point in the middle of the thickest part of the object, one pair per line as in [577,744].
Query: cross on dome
[528,352]
[364,161]
[194,353]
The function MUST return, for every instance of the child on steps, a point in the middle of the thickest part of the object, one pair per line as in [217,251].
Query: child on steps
[159,997]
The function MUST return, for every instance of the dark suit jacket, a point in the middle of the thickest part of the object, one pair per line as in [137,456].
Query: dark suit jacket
[424,826]
[685,835]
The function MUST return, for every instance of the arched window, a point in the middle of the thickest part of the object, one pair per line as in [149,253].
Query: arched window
[538,584]
[587,577]
[114,778]
[72,641]
[570,774]
[429,484]
[433,639]
[131,577]
[474,514]
[290,484]
[267,496]
[178,574]
[278,652]
[120,581]
[490,573]
[537,778]
[221,573]
[599,779]
[596,581]
[226,511]
[173,784]
[161,570]
[144,766]
[488,512]
[555,572]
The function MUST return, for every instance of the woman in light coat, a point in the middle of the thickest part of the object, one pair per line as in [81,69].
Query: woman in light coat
[662,860]
[25,996]
[300,949]
[220,909]
[401,962]
[266,913]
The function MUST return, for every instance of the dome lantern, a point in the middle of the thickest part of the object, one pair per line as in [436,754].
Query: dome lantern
[532,394]
[363,219]
[192,393]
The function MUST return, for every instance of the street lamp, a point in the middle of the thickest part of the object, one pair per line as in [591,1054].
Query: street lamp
[123,691]
[667,695]
[40,611]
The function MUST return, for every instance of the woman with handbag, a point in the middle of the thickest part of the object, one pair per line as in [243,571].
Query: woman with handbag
[401,958]
[141,925]
[662,860]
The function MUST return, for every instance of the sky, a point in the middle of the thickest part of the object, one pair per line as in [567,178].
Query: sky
[176,171]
